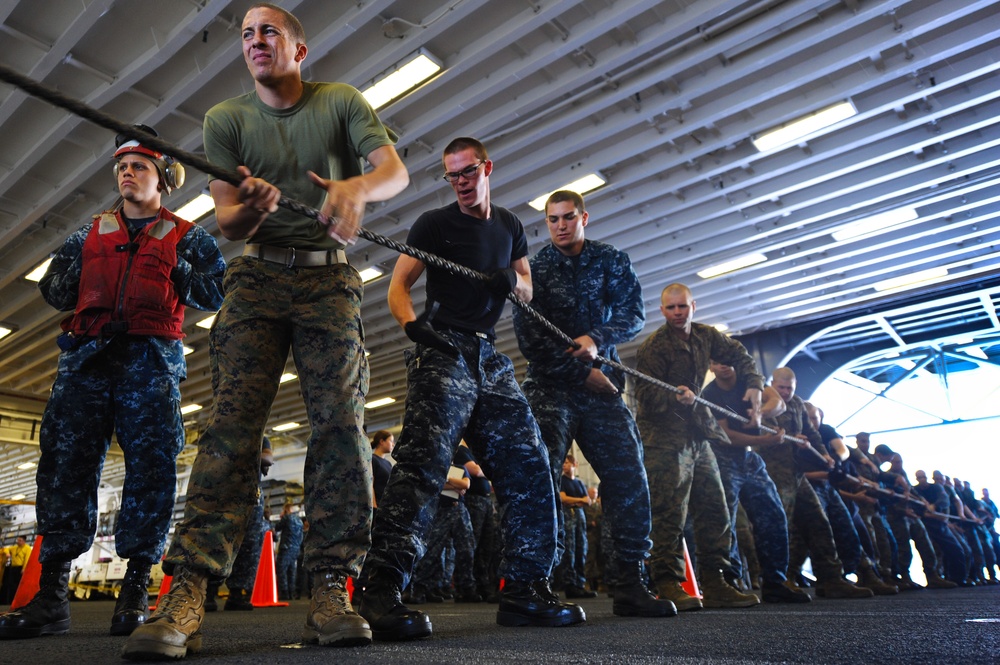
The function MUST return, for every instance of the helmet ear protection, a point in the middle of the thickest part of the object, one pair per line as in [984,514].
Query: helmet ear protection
[171,172]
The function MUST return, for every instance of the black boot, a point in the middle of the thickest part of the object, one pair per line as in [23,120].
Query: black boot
[389,618]
[633,599]
[239,600]
[47,613]
[212,596]
[132,607]
[535,604]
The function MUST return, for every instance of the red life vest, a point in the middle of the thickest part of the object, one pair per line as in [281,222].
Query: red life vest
[125,284]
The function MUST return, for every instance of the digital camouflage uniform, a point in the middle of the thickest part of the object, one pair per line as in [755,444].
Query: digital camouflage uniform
[809,528]
[595,293]
[745,479]
[291,530]
[873,517]
[271,308]
[126,384]
[681,466]
[452,527]
[474,396]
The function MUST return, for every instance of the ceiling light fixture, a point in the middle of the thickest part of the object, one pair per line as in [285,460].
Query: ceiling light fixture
[731,266]
[376,403]
[285,427]
[287,376]
[206,323]
[4,331]
[791,132]
[190,408]
[187,350]
[39,271]
[587,183]
[401,78]
[368,274]
[912,279]
[882,220]
[26,466]
[196,208]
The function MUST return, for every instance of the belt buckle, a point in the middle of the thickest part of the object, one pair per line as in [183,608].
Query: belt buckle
[290,262]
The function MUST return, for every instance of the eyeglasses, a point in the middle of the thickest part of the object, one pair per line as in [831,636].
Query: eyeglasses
[469,172]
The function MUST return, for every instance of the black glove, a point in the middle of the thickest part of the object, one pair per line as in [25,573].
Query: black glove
[421,332]
[502,282]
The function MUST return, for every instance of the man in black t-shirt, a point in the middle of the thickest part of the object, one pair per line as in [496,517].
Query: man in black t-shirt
[572,573]
[459,385]
[745,479]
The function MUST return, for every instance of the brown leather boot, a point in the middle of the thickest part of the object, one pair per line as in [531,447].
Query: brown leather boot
[332,620]
[175,627]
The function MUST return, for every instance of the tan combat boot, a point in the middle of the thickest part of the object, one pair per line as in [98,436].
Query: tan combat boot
[175,627]
[717,592]
[332,621]
[841,588]
[871,580]
[675,593]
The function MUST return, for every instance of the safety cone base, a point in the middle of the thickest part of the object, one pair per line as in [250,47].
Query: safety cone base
[265,586]
[690,583]
[31,576]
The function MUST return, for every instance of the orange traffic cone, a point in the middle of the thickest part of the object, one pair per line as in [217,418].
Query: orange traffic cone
[690,584]
[30,577]
[265,586]
[164,588]
[350,588]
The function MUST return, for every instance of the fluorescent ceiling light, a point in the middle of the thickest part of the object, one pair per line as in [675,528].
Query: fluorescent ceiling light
[368,274]
[18,497]
[4,332]
[206,323]
[404,77]
[190,408]
[797,129]
[26,466]
[287,376]
[285,427]
[910,280]
[187,350]
[730,266]
[721,327]
[196,208]
[587,183]
[376,403]
[39,271]
[883,220]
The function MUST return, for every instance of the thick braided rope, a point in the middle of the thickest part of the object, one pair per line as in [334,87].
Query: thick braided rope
[199,162]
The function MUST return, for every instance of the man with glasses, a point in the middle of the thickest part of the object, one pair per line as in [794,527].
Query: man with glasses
[590,291]
[458,385]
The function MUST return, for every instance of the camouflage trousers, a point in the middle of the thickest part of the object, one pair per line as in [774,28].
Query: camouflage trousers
[745,479]
[474,397]
[903,530]
[572,570]
[244,572]
[953,554]
[269,309]
[606,433]
[486,536]
[809,529]
[684,477]
[451,527]
[845,535]
[885,544]
[127,387]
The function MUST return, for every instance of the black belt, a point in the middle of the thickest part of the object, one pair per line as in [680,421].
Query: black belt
[295,258]
[465,331]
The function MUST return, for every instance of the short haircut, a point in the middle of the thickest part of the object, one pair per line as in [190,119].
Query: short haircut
[464,143]
[676,287]
[380,436]
[565,195]
[292,24]
[571,459]
[783,373]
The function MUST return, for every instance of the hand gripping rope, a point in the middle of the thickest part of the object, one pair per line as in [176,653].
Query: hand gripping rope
[199,162]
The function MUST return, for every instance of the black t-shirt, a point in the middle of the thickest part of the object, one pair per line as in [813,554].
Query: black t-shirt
[733,400]
[479,485]
[486,245]
[573,487]
[380,472]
